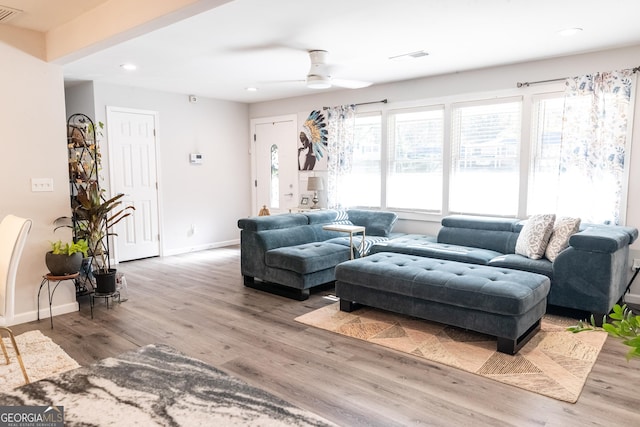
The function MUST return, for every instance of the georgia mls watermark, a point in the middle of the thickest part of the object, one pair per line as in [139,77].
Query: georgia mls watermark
[31,416]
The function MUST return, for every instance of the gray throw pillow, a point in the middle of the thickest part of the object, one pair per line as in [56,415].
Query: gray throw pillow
[534,236]
[563,229]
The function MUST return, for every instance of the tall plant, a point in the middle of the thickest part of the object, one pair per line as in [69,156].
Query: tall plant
[97,215]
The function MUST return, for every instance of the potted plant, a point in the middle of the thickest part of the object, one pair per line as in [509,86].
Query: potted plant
[96,217]
[66,258]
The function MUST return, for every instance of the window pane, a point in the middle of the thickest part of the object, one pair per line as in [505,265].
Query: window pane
[546,140]
[485,158]
[414,179]
[562,178]
[362,186]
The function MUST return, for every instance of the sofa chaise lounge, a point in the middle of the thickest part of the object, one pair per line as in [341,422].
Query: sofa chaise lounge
[590,275]
[292,253]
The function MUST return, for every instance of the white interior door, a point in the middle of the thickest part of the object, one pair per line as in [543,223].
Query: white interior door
[275,164]
[132,154]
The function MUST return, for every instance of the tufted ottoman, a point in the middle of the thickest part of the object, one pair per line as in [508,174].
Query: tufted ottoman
[508,304]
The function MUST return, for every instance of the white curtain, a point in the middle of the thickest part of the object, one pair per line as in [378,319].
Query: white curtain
[341,122]
[591,172]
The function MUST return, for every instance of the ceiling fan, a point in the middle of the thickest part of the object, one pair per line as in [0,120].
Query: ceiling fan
[319,76]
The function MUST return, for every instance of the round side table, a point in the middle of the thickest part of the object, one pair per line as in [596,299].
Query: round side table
[48,278]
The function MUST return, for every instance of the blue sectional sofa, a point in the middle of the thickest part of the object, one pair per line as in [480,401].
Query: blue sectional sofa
[292,253]
[295,253]
[590,275]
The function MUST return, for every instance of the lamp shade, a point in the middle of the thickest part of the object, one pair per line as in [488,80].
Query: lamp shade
[315,183]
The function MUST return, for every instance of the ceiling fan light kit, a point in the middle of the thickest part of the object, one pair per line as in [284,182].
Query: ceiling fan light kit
[315,81]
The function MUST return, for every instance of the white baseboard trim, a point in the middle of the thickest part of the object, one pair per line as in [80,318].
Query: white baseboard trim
[57,310]
[632,299]
[204,247]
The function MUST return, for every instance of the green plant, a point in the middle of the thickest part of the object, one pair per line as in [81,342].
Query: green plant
[97,216]
[624,325]
[59,248]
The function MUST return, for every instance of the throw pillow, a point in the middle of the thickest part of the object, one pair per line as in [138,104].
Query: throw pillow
[342,218]
[534,236]
[563,229]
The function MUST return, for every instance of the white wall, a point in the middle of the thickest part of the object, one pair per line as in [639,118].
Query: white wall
[485,81]
[33,141]
[211,196]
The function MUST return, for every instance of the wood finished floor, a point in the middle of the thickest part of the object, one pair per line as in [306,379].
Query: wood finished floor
[197,303]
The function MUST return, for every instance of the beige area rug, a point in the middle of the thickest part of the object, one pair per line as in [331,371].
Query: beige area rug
[41,357]
[555,363]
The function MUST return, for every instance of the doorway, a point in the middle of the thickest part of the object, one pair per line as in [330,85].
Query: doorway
[132,165]
[274,163]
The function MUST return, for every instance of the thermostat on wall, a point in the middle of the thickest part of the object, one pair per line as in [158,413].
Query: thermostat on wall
[195,158]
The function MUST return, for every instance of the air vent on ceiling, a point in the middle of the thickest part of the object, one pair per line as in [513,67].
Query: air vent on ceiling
[7,13]
[414,55]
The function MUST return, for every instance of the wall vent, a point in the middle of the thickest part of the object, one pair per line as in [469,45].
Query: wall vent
[7,13]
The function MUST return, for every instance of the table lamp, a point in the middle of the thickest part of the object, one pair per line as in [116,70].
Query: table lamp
[315,184]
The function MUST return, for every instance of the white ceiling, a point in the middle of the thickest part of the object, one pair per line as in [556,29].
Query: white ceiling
[264,44]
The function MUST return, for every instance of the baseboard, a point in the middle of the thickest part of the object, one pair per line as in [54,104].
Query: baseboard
[632,299]
[204,247]
[57,310]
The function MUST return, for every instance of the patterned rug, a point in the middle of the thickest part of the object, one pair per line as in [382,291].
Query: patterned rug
[555,363]
[41,357]
[158,386]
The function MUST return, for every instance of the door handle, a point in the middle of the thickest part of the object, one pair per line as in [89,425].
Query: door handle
[288,194]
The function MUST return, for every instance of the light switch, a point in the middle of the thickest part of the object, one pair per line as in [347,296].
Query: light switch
[41,184]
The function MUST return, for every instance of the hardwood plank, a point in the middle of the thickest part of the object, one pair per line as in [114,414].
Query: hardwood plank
[198,304]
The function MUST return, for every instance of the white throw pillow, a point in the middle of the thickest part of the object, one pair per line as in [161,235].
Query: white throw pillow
[535,234]
[563,229]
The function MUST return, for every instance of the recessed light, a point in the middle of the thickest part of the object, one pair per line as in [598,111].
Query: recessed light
[128,67]
[251,89]
[568,32]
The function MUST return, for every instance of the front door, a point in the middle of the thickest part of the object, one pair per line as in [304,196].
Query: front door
[275,164]
[132,155]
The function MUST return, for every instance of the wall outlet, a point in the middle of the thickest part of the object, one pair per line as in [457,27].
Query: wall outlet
[636,264]
[41,184]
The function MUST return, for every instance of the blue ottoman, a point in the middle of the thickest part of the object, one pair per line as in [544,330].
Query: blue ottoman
[507,304]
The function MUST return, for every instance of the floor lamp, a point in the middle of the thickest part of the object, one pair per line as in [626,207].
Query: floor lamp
[315,184]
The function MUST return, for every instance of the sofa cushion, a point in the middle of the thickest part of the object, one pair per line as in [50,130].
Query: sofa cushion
[377,223]
[308,257]
[496,234]
[272,222]
[321,216]
[563,229]
[519,262]
[534,236]
[601,238]
[420,245]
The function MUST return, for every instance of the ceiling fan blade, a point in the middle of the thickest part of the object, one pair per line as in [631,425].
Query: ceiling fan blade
[350,84]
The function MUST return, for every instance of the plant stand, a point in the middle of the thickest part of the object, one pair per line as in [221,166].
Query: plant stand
[48,278]
[106,298]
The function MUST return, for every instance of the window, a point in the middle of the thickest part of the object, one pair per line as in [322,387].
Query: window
[362,186]
[485,160]
[570,167]
[414,179]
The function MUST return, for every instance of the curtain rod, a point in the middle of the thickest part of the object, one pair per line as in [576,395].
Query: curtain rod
[384,101]
[527,84]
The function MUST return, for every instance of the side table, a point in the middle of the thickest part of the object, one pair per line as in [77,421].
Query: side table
[351,229]
[48,278]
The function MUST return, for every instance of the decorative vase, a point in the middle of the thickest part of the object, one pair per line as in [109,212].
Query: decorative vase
[105,281]
[62,264]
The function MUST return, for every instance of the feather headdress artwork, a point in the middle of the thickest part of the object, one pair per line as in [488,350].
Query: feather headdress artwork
[313,137]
